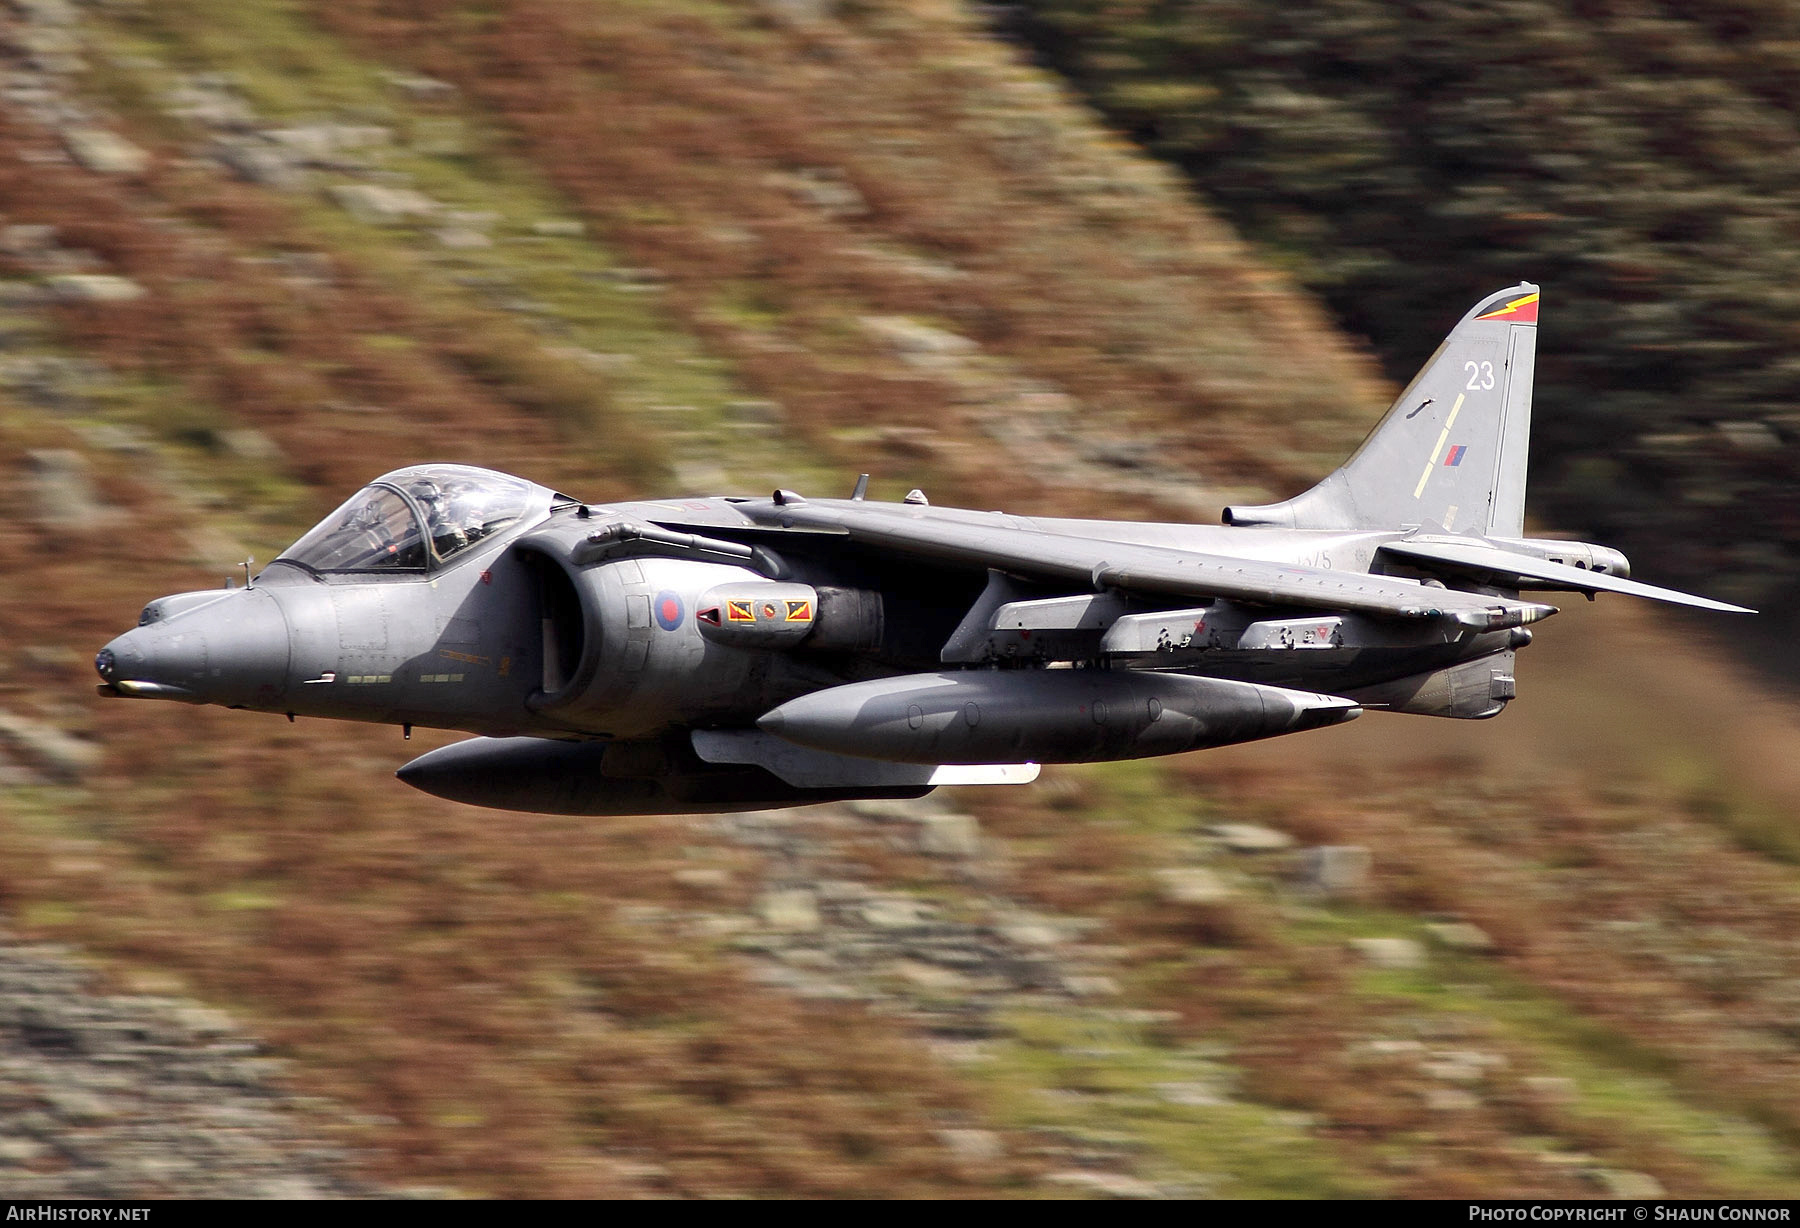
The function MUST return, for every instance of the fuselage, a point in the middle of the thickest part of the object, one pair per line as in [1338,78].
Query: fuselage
[528,627]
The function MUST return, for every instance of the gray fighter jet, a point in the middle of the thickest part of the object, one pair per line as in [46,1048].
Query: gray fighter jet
[722,653]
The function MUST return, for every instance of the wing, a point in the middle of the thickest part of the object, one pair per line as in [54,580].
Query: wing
[1097,563]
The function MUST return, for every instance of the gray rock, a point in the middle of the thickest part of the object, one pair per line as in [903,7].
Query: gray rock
[1251,838]
[42,39]
[932,978]
[202,1021]
[249,443]
[703,878]
[60,493]
[53,382]
[593,359]
[559,228]
[1192,885]
[794,911]
[15,1152]
[105,153]
[1090,986]
[911,339]
[325,144]
[461,238]
[27,240]
[1460,936]
[1336,871]
[421,88]
[284,1189]
[1454,1068]
[116,437]
[826,189]
[80,1107]
[839,890]
[1106,1185]
[949,835]
[626,277]
[1555,1090]
[882,811]
[893,912]
[972,1146]
[800,12]
[46,56]
[1026,931]
[1749,435]
[1394,953]
[46,12]
[209,106]
[1191,1094]
[254,160]
[383,206]
[17,293]
[93,288]
[483,220]
[1628,1185]
[1451,1100]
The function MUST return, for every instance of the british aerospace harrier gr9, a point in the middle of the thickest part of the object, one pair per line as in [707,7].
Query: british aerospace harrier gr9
[702,654]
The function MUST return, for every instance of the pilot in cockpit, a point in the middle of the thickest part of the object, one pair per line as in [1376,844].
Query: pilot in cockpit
[452,521]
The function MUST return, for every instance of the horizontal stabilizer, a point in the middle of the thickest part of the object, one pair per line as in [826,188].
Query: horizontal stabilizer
[1505,564]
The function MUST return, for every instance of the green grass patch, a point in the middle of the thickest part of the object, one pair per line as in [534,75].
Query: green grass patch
[1099,1077]
[1632,1093]
[1757,825]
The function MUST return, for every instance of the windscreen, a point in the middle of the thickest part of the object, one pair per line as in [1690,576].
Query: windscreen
[376,530]
[412,519]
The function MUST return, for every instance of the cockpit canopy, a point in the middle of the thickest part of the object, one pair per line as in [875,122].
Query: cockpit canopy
[415,519]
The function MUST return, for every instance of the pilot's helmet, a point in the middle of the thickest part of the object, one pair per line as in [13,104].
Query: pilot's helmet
[424,490]
[367,515]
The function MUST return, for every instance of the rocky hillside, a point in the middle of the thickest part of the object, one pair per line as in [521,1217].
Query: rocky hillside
[253,255]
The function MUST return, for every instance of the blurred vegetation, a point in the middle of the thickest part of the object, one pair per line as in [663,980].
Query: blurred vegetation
[1640,160]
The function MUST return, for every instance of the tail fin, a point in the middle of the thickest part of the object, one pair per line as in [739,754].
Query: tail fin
[1451,452]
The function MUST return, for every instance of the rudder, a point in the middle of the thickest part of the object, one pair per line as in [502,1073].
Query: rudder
[1451,452]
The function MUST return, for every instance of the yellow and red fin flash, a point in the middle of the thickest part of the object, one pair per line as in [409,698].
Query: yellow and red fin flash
[1522,310]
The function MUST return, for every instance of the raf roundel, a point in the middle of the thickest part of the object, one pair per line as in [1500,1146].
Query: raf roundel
[668,610]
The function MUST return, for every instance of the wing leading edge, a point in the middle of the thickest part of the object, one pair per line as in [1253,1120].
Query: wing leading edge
[1101,564]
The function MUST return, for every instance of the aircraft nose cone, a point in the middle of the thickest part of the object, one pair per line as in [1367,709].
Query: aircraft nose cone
[232,651]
